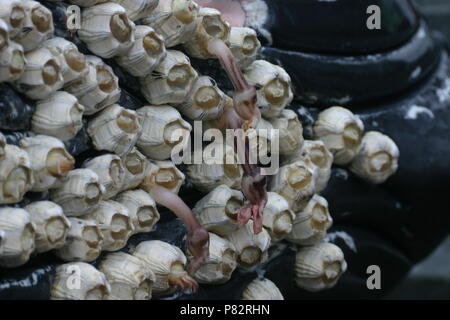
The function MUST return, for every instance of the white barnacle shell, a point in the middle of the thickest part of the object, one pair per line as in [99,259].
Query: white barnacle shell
[98,89]
[319,267]
[2,145]
[136,167]
[377,158]
[60,115]
[13,13]
[277,217]
[290,131]
[210,26]
[163,128]
[262,289]
[115,129]
[175,20]
[16,176]
[341,132]
[218,211]
[49,160]
[83,242]
[106,30]
[18,237]
[50,223]
[86,3]
[138,9]
[171,81]
[146,53]
[244,45]
[141,209]
[91,283]
[252,249]
[110,171]
[164,174]
[311,224]
[273,85]
[42,75]
[261,139]
[12,62]
[220,264]
[80,192]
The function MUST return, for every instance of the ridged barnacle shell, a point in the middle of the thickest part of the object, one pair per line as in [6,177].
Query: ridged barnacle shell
[115,129]
[136,167]
[146,53]
[319,267]
[262,289]
[2,145]
[60,115]
[171,81]
[164,174]
[244,45]
[106,30]
[12,12]
[273,85]
[377,158]
[91,283]
[341,132]
[12,58]
[138,9]
[290,131]
[163,128]
[277,217]
[18,237]
[175,20]
[50,223]
[86,3]
[262,140]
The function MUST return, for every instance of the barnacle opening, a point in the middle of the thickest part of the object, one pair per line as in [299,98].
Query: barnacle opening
[250,256]
[92,236]
[317,156]
[249,44]
[106,80]
[144,290]
[283,223]
[183,10]
[380,161]
[27,238]
[128,122]
[115,171]
[319,217]
[146,215]
[134,163]
[75,60]
[17,63]
[215,27]
[152,43]
[228,262]
[16,17]
[97,293]
[16,183]
[92,193]
[3,38]
[55,229]
[276,90]
[207,97]
[169,130]
[232,207]
[167,178]
[42,19]
[120,226]
[76,114]
[58,163]
[120,27]
[231,170]
[50,72]
[331,272]
[179,75]
[299,177]
[352,135]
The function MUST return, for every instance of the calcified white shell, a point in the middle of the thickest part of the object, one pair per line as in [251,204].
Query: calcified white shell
[106,30]
[252,249]
[290,131]
[210,26]
[60,115]
[262,289]
[274,84]
[220,264]
[171,81]
[277,217]
[319,267]
[2,145]
[163,128]
[79,281]
[128,276]
[145,55]
[115,129]
[110,171]
[42,75]
[262,141]
[85,3]
[83,243]
[141,209]
[18,237]
[12,62]
[175,20]
[164,174]
[218,210]
[377,158]
[136,168]
[16,176]
[341,132]
[51,225]
[49,160]
[311,224]
[244,45]
[98,89]
[79,193]
[138,9]
[13,13]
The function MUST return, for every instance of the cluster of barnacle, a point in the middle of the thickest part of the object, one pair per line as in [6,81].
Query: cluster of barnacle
[98,206]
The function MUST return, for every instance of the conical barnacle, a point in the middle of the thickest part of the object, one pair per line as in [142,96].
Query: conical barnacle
[86,3]
[210,26]
[319,267]
[290,131]
[2,145]
[60,115]
[73,63]
[311,224]
[79,281]
[138,9]
[18,237]
[377,158]
[164,174]
[83,242]
[12,12]
[128,276]
[175,20]
[260,140]
[12,60]
[341,132]
[145,55]
[16,176]
[220,263]
[115,129]
[163,128]
[80,192]
[49,160]
[42,75]
[106,30]
[110,171]
[171,81]
[98,89]
[141,209]
[262,289]
[244,45]
[50,223]
[274,87]
[277,217]
[136,168]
